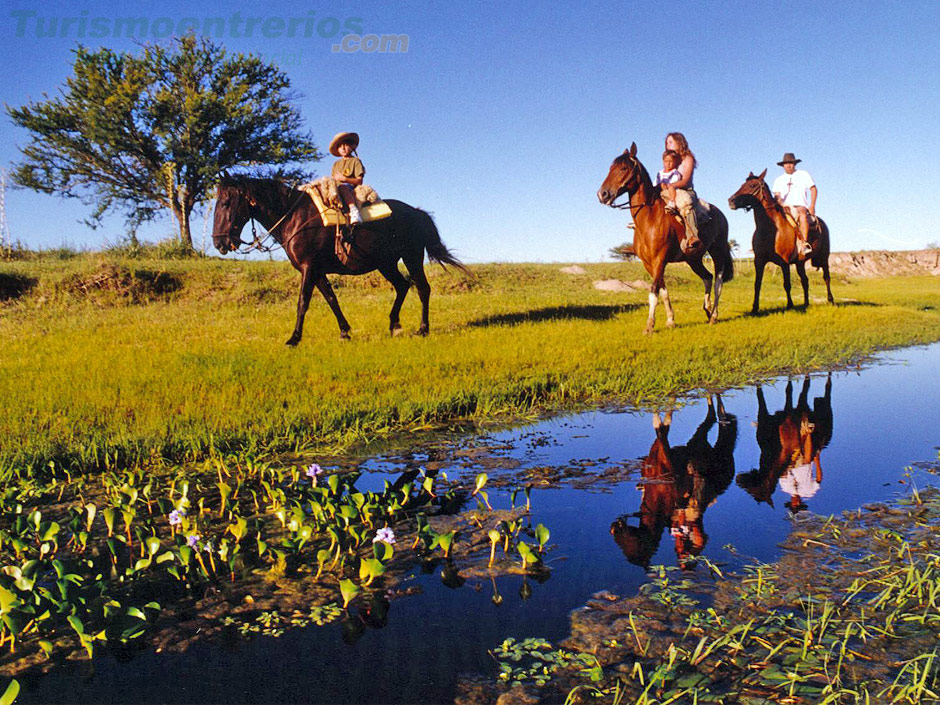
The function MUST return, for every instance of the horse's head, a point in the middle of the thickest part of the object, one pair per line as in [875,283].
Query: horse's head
[750,192]
[233,207]
[625,176]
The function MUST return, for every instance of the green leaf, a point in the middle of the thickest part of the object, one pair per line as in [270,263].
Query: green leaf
[481,482]
[347,588]
[383,551]
[152,544]
[541,535]
[10,694]
[49,532]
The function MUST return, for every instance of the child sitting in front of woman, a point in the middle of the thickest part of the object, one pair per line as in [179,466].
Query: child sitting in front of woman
[668,175]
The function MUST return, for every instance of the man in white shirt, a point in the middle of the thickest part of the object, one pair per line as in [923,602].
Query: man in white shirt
[790,189]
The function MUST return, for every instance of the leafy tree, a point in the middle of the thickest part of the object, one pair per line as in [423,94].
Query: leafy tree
[623,251]
[153,131]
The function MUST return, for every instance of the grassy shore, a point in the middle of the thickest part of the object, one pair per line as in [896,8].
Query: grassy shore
[111,361]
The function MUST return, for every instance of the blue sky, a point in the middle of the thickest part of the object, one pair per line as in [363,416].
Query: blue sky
[502,118]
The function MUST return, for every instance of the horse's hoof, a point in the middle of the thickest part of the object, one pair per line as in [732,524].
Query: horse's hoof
[344,335]
[292,341]
[422,331]
[395,331]
[648,330]
[713,320]
[670,324]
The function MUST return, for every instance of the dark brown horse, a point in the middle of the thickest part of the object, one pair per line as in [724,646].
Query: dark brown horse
[791,438]
[679,483]
[775,239]
[658,234]
[292,219]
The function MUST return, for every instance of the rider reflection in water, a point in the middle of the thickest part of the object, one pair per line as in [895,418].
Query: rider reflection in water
[791,442]
[679,484]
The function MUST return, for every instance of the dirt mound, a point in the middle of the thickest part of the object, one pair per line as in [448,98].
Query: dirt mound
[881,263]
[133,286]
[617,285]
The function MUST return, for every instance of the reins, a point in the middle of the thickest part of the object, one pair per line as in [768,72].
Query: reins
[258,242]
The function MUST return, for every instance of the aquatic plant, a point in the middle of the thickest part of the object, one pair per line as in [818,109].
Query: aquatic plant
[862,629]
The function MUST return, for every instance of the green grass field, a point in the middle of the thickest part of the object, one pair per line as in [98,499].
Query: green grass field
[108,360]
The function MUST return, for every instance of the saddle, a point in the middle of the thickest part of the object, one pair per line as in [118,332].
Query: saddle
[325,196]
[794,222]
[701,208]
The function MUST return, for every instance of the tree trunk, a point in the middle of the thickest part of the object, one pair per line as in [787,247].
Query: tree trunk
[186,236]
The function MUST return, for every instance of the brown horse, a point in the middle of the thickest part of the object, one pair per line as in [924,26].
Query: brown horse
[775,239]
[788,439]
[679,483]
[658,234]
[291,218]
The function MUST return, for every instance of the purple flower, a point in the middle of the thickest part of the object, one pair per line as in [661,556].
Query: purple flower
[384,534]
[193,540]
[312,471]
[176,517]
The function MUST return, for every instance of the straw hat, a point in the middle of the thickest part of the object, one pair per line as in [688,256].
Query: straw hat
[788,158]
[350,138]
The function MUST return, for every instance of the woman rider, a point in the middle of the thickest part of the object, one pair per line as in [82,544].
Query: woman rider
[685,191]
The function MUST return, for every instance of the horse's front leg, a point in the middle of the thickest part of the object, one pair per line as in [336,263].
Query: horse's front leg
[804,280]
[658,287]
[323,284]
[759,265]
[670,315]
[307,280]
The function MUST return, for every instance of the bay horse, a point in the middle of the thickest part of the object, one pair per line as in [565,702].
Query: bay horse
[293,220]
[679,483]
[775,239]
[658,234]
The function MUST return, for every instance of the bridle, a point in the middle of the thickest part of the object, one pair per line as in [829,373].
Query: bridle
[625,206]
[257,242]
[756,192]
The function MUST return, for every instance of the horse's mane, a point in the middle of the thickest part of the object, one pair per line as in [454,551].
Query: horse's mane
[258,186]
[770,196]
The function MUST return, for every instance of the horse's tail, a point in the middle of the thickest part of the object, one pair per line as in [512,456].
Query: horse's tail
[437,251]
[724,263]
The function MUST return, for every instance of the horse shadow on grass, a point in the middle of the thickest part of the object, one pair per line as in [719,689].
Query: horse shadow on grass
[594,312]
[801,310]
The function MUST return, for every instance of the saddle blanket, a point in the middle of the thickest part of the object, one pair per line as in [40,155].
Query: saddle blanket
[325,196]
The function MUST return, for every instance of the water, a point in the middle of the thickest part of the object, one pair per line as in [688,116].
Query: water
[883,418]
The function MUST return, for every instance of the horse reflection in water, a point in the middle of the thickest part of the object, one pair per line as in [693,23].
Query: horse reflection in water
[791,442]
[679,483]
